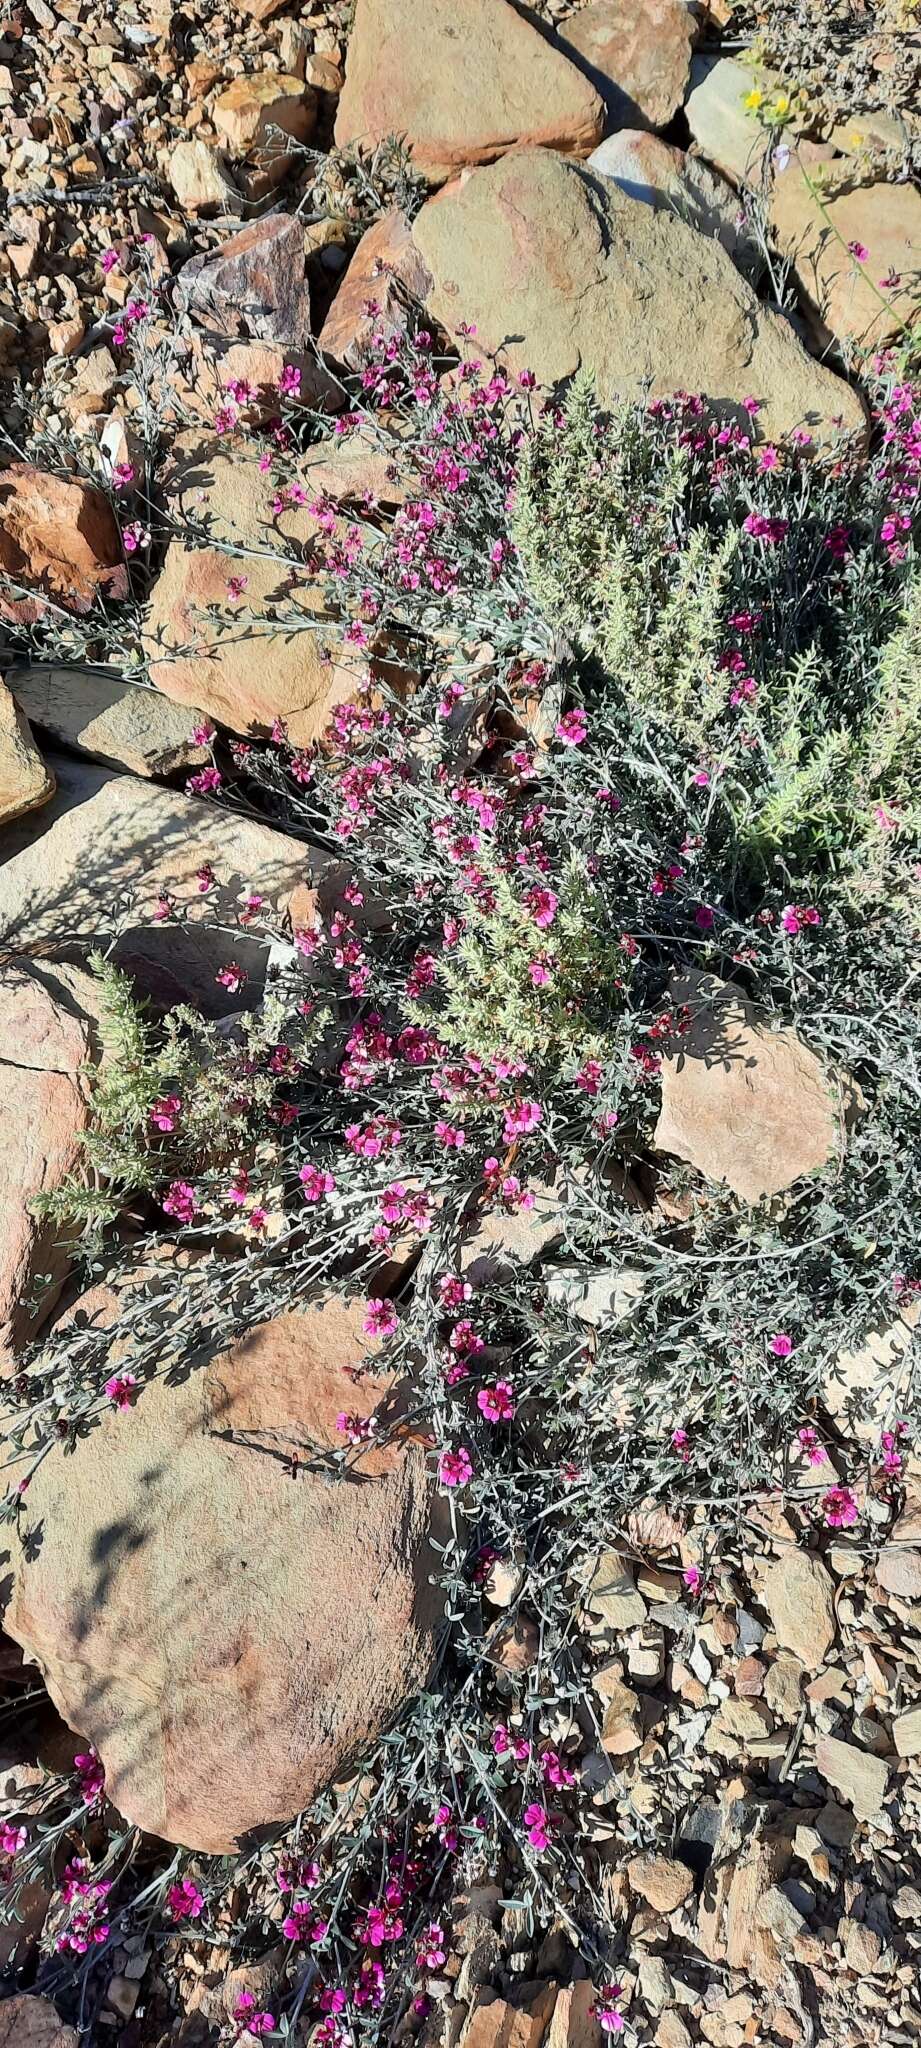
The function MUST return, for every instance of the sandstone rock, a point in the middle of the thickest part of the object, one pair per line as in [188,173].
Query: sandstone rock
[216,363]
[744,1104]
[247,674]
[59,537]
[385,259]
[503,1241]
[200,179]
[762,1859]
[669,179]
[255,284]
[27,2022]
[610,1592]
[783,1688]
[245,112]
[515,1647]
[117,722]
[573,2023]
[500,2024]
[906,1733]
[660,1880]
[638,57]
[822,239]
[539,248]
[860,1778]
[462,85]
[48,1019]
[898,1571]
[256,1632]
[798,1596]
[104,837]
[25,782]
[727,132]
[622,1724]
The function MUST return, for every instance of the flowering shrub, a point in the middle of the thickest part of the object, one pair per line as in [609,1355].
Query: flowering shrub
[658,713]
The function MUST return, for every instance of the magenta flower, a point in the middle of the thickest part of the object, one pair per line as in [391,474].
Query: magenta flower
[316,1182]
[91,1775]
[839,1507]
[181,1201]
[431,1952]
[497,1403]
[206,783]
[521,1119]
[455,1468]
[304,1923]
[538,1825]
[543,904]
[606,2009]
[780,1344]
[164,1113]
[572,728]
[692,1578]
[860,253]
[380,1318]
[232,977]
[120,1390]
[185,1901]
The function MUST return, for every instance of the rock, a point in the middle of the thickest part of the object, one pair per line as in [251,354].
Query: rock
[906,1733]
[727,132]
[745,1105]
[27,2022]
[660,1880]
[256,1632]
[105,837]
[671,2032]
[502,2025]
[736,1723]
[25,782]
[248,677]
[462,85]
[622,1726]
[386,259]
[898,1571]
[255,284]
[610,1592]
[862,1946]
[539,248]
[60,537]
[245,112]
[216,363]
[48,1031]
[798,1595]
[858,1390]
[783,1688]
[762,1860]
[573,2023]
[515,1647]
[502,1242]
[861,1779]
[822,235]
[117,722]
[201,180]
[906,1904]
[648,169]
[638,57]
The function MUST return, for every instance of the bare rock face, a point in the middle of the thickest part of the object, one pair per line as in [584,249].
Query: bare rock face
[255,284]
[58,537]
[246,112]
[25,782]
[672,180]
[115,721]
[244,669]
[637,56]
[875,233]
[27,2022]
[48,1018]
[535,247]
[462,84]
[385,259]
[256,1631]
[798,1595]
[741,1103]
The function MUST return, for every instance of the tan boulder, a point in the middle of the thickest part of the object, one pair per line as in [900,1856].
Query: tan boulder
[463,85]
[823,236]
[673,180]
[113,720]
[385,259]
[25,782]
[661,1881]
[257,1631]
[798,1594]
[726,131]
[200,179]
[245,113]
[246,666]
[59,538]
[744,1104]
[105,838]
[861,1778]
[638,56]
[48,1031]
[27,2022]
[538,248]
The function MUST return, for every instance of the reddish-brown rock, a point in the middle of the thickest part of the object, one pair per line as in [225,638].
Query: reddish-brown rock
[257,1631]
[462,84]
[47,1033]
[60,539]
[255,284]
[637,54]
[385,260]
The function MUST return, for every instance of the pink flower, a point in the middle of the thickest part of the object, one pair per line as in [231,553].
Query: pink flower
[184,1900]
[204,733]
[206,783]
[232,977]
[703,917]
[794,918]
[316,1182]
[164,1113]
[497,1403]
[538,1824]
[768,458]
[251,2021]
[859,252]
[109,260]
[304,1923]
[455,1468]
[91,1775]
[120,1390]
[289,383]
[431,1952]
[543,904]
[769,530]
[235,587]
[780,1344]
[380,1318]
[692,1578]
[554,1771]
[181,1201]
[679,1441]
[606,2010]
[453,1290]
[521,1119]
[572,728]
[589,1076]
[450,1135]
[539,971]
[839,1507]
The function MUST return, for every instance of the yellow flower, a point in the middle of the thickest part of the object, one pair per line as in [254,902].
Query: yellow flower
[782,103]
[754,98]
